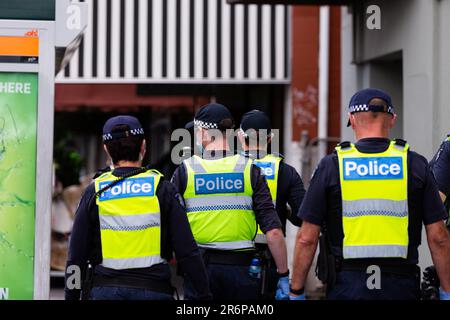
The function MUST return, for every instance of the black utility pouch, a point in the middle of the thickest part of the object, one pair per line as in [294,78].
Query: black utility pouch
[88,282]
[326,263]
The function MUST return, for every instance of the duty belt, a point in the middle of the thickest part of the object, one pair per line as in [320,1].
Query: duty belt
[236,258]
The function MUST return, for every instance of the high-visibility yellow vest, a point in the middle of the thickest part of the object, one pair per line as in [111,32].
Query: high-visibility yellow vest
[130,221]
[374,202]
[219,202]
[270,167]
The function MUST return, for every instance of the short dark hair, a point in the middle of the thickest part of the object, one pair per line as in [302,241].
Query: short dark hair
[226,124]
[124,149]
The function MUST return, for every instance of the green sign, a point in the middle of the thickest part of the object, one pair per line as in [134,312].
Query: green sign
[18,127]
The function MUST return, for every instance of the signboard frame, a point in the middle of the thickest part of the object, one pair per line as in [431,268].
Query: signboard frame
[44,157]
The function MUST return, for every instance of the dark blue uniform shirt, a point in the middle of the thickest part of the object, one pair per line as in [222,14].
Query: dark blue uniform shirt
[440,166]
[176,235]
[323,201]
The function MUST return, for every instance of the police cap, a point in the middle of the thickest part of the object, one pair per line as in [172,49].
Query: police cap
[360,102]
[256,120]
[134,128]
[210,116]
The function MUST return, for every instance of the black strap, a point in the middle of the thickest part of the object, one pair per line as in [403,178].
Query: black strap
[115,182]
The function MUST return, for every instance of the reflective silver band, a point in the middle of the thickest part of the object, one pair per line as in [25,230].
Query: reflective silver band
[130,222]
[375,251]
[208,201]
[374,207]
[261,239]
[236,245]
[132,263]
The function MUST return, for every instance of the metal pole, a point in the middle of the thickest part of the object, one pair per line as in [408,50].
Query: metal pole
[324,63]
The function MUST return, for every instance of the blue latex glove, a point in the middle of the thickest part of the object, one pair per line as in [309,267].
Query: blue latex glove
[298,298]
[282,289]
[444,295]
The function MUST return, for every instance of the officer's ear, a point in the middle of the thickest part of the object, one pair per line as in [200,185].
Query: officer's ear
[106,150]
[352,120]
[242,139]
[393,121]
[107,154]
[143,148]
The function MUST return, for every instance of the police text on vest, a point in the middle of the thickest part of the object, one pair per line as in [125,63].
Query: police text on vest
[376,168]
[133,187]
[219,183]
[267,169]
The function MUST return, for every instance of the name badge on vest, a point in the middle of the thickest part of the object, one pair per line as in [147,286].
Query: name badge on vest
[133,187]
[379,168]
[219,183]
[267,169]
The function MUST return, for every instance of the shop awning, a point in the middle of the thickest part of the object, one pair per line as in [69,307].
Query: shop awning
[182,41]
[114,97]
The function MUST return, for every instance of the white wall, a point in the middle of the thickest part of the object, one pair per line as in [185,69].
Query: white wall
[418,29]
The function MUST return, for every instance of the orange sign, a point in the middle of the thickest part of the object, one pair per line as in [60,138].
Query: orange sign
[19,46]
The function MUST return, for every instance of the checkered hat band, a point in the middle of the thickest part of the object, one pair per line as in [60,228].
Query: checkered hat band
[205,125]
[366,108]
[118,135]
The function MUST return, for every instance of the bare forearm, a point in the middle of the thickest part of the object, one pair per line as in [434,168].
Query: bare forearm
[277,246]
[305,248]
[439,243]
[441,259]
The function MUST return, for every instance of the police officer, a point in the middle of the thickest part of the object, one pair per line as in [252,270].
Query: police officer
[372,197]
[440,166]
[226,197]
[285,184]
[127,225]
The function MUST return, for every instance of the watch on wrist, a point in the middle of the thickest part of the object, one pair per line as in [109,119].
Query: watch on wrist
[297,292]
[282,275]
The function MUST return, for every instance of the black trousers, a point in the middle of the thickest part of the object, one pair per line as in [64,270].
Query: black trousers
[228,282]
[352,285]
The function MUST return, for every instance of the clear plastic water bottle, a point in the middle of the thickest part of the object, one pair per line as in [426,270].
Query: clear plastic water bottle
[255,269]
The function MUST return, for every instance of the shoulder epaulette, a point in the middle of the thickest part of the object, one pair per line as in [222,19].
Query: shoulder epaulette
[400,142]
[101,172]
[345,144]
[279,155]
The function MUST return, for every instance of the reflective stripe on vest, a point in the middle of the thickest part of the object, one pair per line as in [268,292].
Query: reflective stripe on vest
[270,167]
[219,202]
[374,202]
[130,221]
